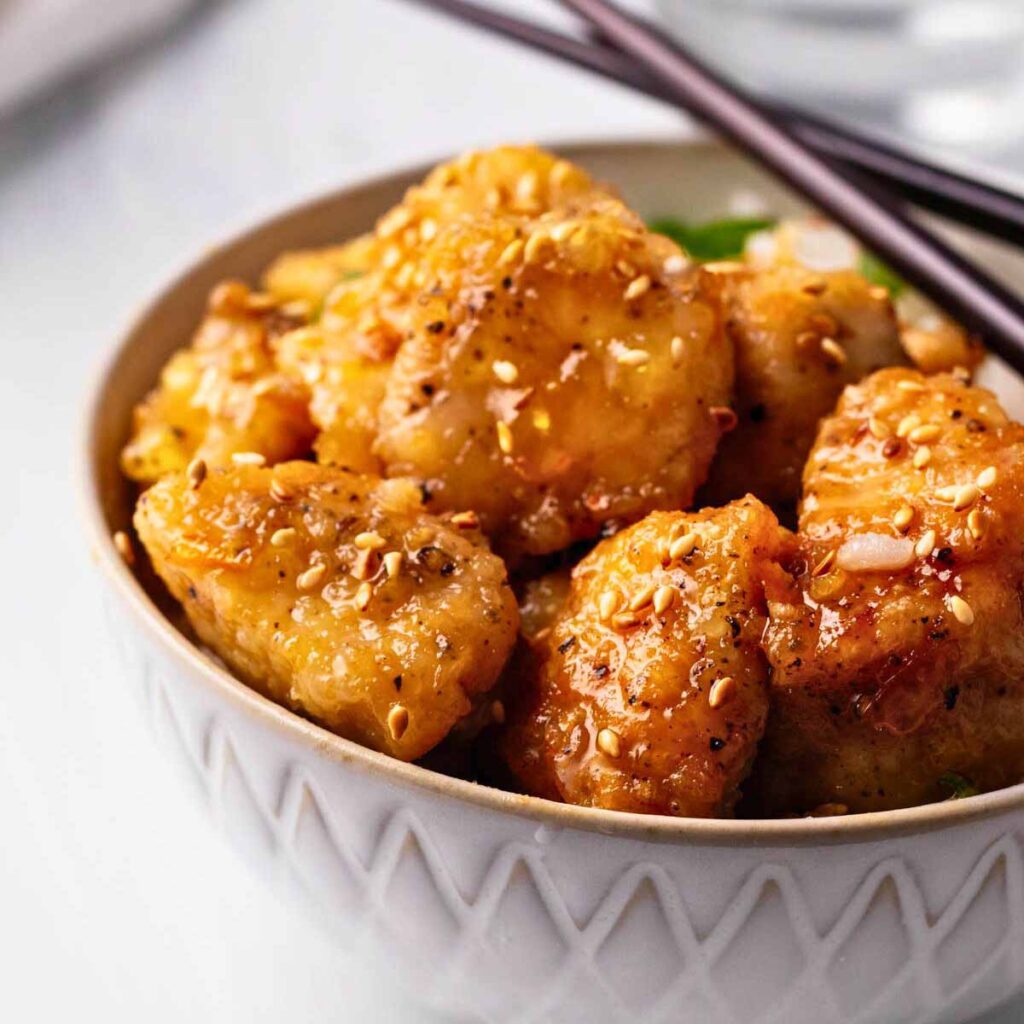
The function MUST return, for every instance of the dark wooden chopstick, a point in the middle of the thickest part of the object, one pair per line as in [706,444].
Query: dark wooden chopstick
[965,291]
[980,206]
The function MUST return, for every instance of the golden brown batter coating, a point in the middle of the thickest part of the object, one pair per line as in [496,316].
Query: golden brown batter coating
[223,394]
[800,338]
[903,657]
[652,692]
[336,595]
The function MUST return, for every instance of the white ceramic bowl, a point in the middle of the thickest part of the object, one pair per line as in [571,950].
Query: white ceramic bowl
[499,907]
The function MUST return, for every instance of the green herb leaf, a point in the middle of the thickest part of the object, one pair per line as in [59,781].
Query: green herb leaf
[877,272]
[958,785]
[714,240]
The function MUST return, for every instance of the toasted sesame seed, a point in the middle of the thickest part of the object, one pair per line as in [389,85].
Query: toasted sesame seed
[196,473]
[922,457]
[926,544]
[818,286]
[560,172]
[393,563]
[903,518]
[892,447]
[537,245]
[466,520]
[527,187]
[976,523]
[907,424]
[946,493]
[825,565]
[607,605]
[721,690]
[663,598]
[925,434]
[283,536]
[632,357]
[878,428]
[623,620]
[725,417]
[987,477]
[505,442]
[369,540]
[962,611]
[642,597]
[560,232]
[805,339]
[428,229]
[625,268]
[541,420]
[311,577]
[506,372]
[637,287]
[677,348]
[497,712]
[511,252]
[608,743]
[878,292]
[684,546]
[248,459]
[363,566]
[279,492]
[398,721]
[364,595]
[829,810]
[910,385]
[124,547]
[393,221]
[966,497]
[833,351]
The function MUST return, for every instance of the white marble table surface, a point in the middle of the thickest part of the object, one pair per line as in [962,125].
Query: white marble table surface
[117,901]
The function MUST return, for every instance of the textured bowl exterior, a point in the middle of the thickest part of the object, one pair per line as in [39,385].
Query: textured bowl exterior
[502,908]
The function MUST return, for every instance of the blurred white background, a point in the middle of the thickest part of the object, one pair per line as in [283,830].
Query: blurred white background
[117,901]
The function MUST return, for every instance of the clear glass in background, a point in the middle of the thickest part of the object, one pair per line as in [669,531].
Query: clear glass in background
[946,73]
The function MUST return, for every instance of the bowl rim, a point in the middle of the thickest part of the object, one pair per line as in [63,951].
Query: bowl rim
[795,832]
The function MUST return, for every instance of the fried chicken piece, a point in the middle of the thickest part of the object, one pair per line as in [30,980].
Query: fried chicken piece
[559,376]
[800,338]
[901,658]
[336,595]
[651,693]
[369,288]
[223,394]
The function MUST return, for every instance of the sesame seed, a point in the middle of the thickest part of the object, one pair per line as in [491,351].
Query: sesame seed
[878,428]
[362,568]
[721,690]
[976,523]
[825,565]
[829,810]
[922,457]
[966,497]
[892,447]
[608,743]
[632,357]
[283,536]
[833,351]
[506,372]
[536,247]
[642,597]
[311,577]
[926,544]
[878,292]
[504,437]
[370,540]
[466,520]
[962,611]
[925,434]
[675,264]
[607,605]
[805,339]
[428,229]
[637,287]
[248,459]
[542,420]
[124,547]
[725,417]
[560,172]
[946,493]
[364,594]
[910,385]
[279,492]
[393,563]
[677,347]
[684,546]
[527,187]
[511,253]
[987,477]
[393,221]
[196,473]
[560,232]
[818,286]
[903,518]
[663,598]
[625,268]
[623,620]
[497,712]
[398,721]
